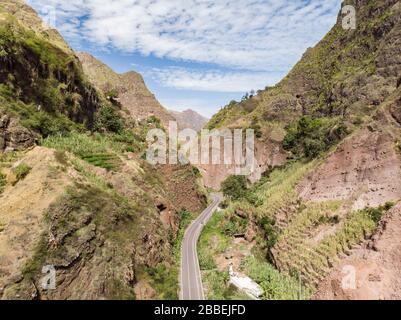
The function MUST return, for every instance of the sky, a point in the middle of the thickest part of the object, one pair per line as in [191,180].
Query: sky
[197,54]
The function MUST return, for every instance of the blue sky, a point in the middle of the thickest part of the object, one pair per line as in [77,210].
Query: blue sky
[197,54]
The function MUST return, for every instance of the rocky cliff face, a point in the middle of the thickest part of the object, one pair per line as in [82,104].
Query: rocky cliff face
[40,76]
[13,136]
[129,88]
[104,232]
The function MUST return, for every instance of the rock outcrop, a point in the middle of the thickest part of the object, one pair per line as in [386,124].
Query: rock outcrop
[130,90]
[13,136]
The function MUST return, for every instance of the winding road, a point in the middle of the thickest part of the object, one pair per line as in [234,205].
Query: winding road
[191,280]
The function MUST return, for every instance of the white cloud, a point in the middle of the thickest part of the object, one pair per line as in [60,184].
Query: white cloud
[212,80]
[256,35]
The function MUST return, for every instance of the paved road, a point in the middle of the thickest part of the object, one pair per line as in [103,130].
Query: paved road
[191,281]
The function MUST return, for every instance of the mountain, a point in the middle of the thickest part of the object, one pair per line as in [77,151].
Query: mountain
[325,205]
[322,206]
[190,119]
[76,194]
[342,82]
[129,89]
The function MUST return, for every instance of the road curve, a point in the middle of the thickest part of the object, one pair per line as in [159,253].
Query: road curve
[190,275]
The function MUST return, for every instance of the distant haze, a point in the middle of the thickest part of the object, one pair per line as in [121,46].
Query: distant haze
[190,119]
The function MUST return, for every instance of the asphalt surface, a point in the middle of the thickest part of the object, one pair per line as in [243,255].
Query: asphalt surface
[191,280]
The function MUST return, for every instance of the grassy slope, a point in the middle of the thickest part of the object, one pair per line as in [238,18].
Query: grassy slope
[315,85]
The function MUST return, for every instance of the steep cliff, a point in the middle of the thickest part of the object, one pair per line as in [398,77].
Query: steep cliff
[42,82]
[128,89]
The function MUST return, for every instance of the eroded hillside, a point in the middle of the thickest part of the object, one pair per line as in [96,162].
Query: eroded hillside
[336,116]
[337,85]
[75,191]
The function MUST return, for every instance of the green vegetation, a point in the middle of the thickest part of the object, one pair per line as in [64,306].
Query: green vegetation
[112,94]
[3,181]
[307,237]
[277,190]
[276,286]
[213,241]
[235,187]
[165,278]
[271,234]
[100,150]
[298,255]
[358,226]
[21,171]
[227,114]
[235,225]
[94,151]
[309,136]
[42,83]
[256,127]
[115,219]
[219,289]
[341,61]
[186,218]
[40,121]
[164,281]
[108,119]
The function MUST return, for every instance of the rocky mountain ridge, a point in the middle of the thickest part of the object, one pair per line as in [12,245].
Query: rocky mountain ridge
[129,89]
[190,119]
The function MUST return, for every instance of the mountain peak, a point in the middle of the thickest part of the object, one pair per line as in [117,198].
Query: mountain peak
[133,94]
[190,119]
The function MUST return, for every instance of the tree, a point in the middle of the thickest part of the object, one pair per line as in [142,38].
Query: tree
[235,187]
[109,119]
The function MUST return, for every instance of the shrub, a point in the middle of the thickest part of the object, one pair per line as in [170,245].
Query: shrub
[276,285]
[5,91]
[3,181]
[21,171]
[235,187]
[376,213]
[235,225]
[112,94]
[256,127]
[165,282]
[271,233]
[47,124]
[310,136]
[108,119]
